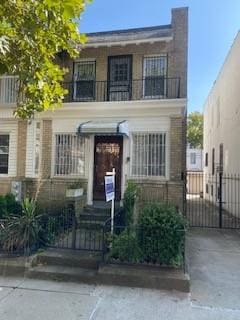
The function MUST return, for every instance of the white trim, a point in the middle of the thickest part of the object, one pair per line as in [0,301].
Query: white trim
[126,42]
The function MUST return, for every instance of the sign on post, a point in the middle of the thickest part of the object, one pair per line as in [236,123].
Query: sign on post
[110,192]
[109,188]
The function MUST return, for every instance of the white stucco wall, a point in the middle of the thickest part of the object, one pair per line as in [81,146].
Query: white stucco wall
[222,126]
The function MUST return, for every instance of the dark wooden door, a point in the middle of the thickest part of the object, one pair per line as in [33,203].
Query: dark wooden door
[119,78]
[108,155]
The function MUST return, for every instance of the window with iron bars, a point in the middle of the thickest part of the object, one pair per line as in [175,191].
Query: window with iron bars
[148,155]
[69,155]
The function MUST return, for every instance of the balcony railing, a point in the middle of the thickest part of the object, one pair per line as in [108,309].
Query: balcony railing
[8,89]
[100,91]
[143,89]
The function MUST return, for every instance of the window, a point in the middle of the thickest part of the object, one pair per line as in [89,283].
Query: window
[4,153]
[155,70]
[193,158]
[69,155]
[206,159]
[148,154]
[207,190]
[213,161]
[37,147]
[84,80]
[221,157]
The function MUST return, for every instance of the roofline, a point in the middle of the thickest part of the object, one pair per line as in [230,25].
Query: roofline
[102,33]
[126,42]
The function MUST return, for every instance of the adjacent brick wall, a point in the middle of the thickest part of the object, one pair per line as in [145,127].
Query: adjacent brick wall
[177,145]
[21,148]
[46,149]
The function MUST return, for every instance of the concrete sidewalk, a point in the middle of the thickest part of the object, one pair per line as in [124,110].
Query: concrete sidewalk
[213,257]
[25,299]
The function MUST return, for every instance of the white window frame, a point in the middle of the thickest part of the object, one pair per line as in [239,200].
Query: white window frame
[40,148]
[81,61]
[74,175]
[7,133]
[144,74]
[167,158]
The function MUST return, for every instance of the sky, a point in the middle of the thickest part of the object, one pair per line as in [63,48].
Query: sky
[213,25]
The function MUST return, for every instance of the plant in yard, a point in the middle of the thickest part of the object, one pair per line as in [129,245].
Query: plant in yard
[124,247]
[129,201]
[162,234]
[8,206]
[23,232]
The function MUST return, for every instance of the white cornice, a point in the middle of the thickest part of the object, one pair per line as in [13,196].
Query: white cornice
[126,42]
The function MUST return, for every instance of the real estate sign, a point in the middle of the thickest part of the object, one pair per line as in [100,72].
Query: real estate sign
[109,188]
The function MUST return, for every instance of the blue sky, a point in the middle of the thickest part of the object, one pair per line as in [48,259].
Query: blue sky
[213,25]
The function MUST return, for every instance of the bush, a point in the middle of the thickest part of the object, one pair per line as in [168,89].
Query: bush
[22,232]
[129,200]
[125,248]
[162,234]
[9,206]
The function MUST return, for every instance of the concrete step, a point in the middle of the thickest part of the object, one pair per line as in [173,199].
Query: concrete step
[62,273]
[86,216]
[69,258]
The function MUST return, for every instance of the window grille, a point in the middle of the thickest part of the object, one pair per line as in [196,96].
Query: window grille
[148,154]
[69,155]
[155,70]
[4,153]
[193,158]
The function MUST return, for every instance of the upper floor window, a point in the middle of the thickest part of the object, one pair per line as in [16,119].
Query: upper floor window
[193,158]
[84,80]
[4,153]
[149,154]
[213,161]
[154,74]
[206,159]
[221,157]
[69,155]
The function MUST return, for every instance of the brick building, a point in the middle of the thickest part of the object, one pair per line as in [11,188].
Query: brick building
[125,108]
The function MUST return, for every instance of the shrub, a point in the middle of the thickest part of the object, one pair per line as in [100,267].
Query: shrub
[162,234]
[22,232]
[9,206]
[125,248]
[129,200]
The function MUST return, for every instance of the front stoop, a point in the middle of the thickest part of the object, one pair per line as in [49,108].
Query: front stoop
[86,267]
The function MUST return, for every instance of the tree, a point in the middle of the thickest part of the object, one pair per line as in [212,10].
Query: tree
[195,129]
[32,34]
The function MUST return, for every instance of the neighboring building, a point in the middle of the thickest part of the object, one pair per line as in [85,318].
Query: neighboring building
[194,159]
[222,132]
[126,108]
[194,170]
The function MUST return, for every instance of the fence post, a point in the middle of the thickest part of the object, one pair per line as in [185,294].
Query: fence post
[74,226]
[220,198]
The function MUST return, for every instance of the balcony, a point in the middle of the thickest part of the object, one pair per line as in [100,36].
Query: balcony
[143,89]
[100,91]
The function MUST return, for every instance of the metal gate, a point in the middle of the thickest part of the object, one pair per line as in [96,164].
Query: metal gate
[66,231]
[213,201]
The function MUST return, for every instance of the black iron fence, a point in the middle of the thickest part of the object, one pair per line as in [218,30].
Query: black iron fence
[213,200]
[143,89]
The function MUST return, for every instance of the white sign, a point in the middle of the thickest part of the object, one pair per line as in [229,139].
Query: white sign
[109,188]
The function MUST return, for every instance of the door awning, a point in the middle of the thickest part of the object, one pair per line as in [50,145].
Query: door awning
[104,128]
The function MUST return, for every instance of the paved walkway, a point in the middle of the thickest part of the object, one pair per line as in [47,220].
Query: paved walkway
[25,299]
[214,265]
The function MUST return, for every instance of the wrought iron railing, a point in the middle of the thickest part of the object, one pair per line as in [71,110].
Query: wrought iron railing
[143,89]
[99,91]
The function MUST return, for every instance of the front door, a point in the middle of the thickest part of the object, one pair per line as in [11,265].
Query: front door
[107,155]
[119,78]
